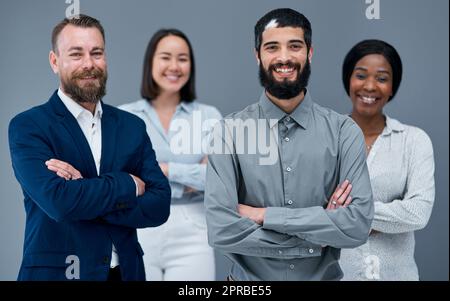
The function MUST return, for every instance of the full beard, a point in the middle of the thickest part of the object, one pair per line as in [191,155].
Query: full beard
[285,89]
[90,92]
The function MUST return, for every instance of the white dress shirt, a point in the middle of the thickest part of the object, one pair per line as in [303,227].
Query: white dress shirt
[91,126]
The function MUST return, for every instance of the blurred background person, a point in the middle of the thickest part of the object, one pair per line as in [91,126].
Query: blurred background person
[401,167]
[177,250]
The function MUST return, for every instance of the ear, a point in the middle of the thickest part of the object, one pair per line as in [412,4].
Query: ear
[310,54]
[257,56]
[53,59]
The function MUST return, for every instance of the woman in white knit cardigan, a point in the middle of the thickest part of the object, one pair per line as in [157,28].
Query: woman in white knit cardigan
[401,167]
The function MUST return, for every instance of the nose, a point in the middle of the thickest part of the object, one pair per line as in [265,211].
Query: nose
[88,62]
[284,55]
[369,84]
[174,66]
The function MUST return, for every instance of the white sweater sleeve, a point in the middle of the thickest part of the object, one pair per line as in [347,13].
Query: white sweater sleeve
[413,211]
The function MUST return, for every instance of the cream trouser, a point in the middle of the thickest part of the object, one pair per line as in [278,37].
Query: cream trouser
[178,250]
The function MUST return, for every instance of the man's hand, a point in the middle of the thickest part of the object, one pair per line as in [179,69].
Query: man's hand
[63,169]
[253,213]
[140,184]
[341,196]
[164,168]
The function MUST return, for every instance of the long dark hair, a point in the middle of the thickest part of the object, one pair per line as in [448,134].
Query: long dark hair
[149,88]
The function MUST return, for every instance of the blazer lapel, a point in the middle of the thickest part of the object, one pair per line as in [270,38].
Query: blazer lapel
[109,133]
[71,125]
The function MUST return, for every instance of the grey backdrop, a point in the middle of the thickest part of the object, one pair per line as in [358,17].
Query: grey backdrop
[222,36]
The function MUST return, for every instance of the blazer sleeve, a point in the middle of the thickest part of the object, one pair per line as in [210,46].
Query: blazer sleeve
[153,207]
[62,200]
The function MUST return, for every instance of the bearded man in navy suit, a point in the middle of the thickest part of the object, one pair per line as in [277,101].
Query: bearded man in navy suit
[87,170]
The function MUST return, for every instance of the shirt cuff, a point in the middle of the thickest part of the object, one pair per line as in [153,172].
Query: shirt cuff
[175,172]
[274,219]
[137,187]
[177,190]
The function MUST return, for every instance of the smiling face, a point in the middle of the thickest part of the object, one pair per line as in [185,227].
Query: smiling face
[371,85]
[284,61]
[79,60]
[171,64]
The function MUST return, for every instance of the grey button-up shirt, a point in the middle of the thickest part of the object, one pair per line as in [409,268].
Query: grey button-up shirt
[317,149]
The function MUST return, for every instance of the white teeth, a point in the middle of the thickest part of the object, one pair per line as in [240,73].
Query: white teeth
[284,70]
[367,99]
[172,77]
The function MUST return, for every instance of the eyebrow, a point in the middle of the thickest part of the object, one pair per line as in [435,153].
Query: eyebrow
[168,53]
[98,48]
[78,48]
[270,43]
[290,41]
[379,70]
[297,41]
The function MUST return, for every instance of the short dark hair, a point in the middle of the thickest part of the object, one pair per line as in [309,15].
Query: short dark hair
[149,88]
[284,17]
[79,21]
[368,47]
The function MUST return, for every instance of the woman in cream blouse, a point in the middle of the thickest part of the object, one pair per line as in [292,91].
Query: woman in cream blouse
[401,167]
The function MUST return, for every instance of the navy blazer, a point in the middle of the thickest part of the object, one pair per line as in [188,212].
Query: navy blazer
[85,217]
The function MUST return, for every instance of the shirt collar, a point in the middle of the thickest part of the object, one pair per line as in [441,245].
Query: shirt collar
[392,125]
[301,114]
[186,106]
[145,105]
[76,109]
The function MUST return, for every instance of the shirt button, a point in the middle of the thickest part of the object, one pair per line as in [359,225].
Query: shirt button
[105,259]
[286,139]
[288,119]
[288,169]
[280,252]
[311,251]
[290,202]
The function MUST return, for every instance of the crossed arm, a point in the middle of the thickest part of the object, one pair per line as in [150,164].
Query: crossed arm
[278,231]
[191,177]
[110,196]
[340,198]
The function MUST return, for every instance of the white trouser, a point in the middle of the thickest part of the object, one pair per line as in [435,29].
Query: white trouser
[178,250]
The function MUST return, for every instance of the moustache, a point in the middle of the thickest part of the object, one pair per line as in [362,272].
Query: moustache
[95,73]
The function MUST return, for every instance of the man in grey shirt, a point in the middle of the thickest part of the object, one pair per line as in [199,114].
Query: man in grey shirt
[285,216]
